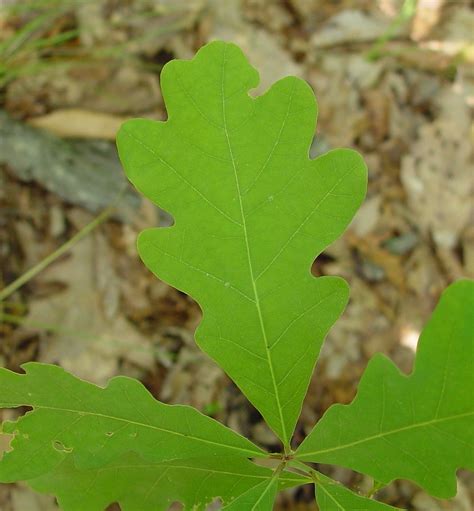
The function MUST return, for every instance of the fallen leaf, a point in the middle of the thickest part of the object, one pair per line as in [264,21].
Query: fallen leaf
[76,123]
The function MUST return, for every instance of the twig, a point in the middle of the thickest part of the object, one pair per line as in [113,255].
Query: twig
[39,267]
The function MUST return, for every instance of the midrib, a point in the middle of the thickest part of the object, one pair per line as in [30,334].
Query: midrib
[249,259]
[128,421]
[265,491]
[381,435]
[321,487]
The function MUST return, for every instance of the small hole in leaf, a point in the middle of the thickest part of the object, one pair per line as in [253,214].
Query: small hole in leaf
[59,446]
[109,433]
[113,507]
[5,441]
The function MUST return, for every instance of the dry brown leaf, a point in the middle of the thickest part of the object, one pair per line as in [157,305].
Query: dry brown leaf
[90,335]
[77,123]
[437,174]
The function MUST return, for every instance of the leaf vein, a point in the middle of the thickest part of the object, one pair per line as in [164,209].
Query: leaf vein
[249,258]
[180,176]
[303,223]
[386,433]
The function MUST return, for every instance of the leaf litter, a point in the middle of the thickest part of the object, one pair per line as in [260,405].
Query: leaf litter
[396,110]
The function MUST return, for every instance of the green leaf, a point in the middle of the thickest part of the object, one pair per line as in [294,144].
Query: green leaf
[418,427]
[142,486]
[332,496]
[96,425]
[258,498]
[251,212]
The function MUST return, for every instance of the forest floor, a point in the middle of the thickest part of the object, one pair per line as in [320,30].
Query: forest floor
[393,79]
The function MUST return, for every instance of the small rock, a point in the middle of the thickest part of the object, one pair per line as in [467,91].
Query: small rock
[401,245]
[371,271]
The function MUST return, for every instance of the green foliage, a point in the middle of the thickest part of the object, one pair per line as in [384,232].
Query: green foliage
[419,427]
[97,425]
[258,498]
[144,486]
[333,496]
[251,212]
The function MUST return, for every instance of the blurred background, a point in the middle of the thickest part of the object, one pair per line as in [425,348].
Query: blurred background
[394,79]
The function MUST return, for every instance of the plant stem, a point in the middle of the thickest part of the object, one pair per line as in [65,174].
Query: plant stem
[299,465]
[375,488]
[39,267]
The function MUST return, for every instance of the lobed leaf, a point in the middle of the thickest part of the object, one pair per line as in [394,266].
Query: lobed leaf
[251,212]
[418,427]
[96,426]
[332,496]
[140,486]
